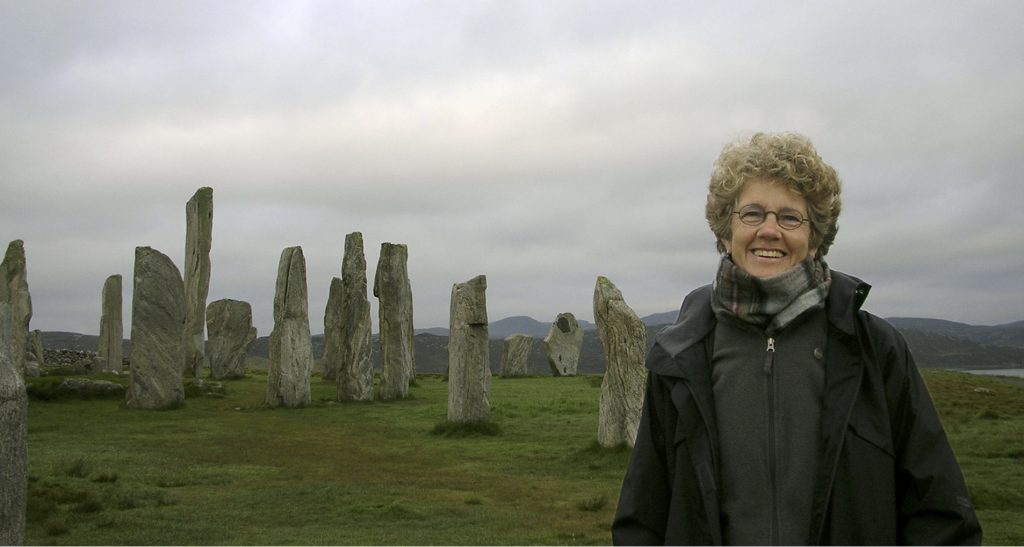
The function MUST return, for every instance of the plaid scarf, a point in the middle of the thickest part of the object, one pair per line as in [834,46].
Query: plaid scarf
[772,302]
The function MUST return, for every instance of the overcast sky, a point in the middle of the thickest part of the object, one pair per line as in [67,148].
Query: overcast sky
[538,143]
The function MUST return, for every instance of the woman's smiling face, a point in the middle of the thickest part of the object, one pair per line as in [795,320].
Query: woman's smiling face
[767,250]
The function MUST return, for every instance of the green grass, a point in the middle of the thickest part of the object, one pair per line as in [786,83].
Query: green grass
[222,469]
[984,419]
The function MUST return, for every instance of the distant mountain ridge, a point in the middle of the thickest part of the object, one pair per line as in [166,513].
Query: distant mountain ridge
[935,343]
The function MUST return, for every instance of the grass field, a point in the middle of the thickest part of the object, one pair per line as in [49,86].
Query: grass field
[224,470]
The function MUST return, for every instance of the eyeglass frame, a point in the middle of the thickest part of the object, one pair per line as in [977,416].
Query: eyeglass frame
[765,212]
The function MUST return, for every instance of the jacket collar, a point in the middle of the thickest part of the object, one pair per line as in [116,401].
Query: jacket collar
[696,320]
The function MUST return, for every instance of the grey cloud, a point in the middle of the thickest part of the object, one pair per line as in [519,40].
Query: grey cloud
[539,143]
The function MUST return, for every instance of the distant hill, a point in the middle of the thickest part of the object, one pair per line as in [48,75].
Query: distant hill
[1009,334]
[935,343]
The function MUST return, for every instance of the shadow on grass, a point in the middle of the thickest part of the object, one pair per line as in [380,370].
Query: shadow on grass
[466,429]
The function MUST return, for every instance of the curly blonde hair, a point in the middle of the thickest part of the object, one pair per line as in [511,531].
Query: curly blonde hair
[789,158]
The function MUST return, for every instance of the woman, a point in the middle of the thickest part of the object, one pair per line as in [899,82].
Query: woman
[777,411]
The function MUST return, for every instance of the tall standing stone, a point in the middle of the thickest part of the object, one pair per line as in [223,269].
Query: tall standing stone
[111,347]
[394,293]
[291,349]
[230,331]
[158,321]
[515,350]
[562,345]
[350,357]
[334,322]
[13,440]
[624,339]
[35,346]
[469,372]
[198,241]
[14,291]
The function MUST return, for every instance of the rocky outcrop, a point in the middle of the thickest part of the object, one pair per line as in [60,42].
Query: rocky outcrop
[14,291]
[291,350]
[14,443]
[111,349]
[353,363]
[515,351]
[469,372]
[394,293]
[230,331]
[624,339]
[158,319]
[198,241]
[562,345]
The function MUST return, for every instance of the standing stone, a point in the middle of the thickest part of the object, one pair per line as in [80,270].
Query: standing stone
[562,345]
[111,348]
[469,371]
[198,241]
[392,289]
[291,349]
[14,291]
[333,324]
[35,346]
[229,326]
[514,353]
[13,440]
[158,321]
[624,339]
[352,359]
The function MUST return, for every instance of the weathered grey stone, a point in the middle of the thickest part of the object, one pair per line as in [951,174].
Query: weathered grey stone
[291,349]
[13,440]
[14,291]
[84,386]
[333,324]
[158,320]
[392,289]
[35,347]
[469,372]
[198,241]
[562,345]
[351,327]
[110,356]
[624,339]
[230,331]
[515,350]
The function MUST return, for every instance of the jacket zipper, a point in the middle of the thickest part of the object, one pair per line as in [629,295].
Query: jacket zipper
[769,366]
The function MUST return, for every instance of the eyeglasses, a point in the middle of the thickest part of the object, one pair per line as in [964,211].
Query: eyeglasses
[755,215]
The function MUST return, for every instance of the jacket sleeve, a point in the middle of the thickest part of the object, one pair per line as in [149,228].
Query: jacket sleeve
[644,500]
[932,497]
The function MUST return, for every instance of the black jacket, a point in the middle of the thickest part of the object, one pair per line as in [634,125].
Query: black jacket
[887,474]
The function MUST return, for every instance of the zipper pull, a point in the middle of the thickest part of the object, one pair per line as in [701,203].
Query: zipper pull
[769,357]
